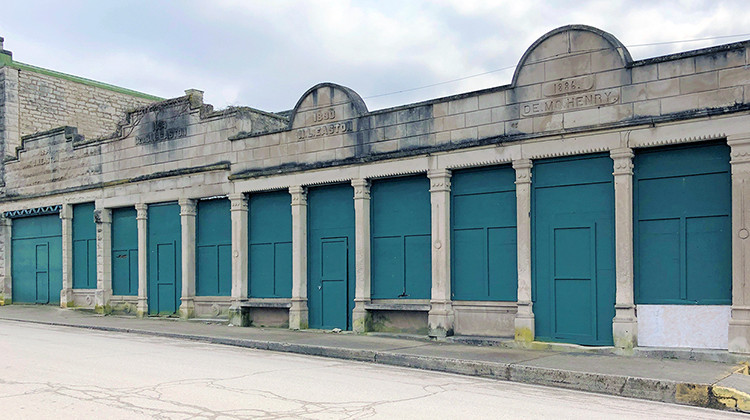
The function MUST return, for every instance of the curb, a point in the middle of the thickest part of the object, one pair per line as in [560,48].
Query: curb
[667,391]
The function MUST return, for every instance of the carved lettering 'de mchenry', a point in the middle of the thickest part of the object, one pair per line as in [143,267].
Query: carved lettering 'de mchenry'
[571,102]
[159,131]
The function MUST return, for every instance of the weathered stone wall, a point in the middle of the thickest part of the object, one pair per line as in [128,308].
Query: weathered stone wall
[47,102]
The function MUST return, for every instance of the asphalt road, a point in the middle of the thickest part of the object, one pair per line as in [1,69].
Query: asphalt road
[59,372]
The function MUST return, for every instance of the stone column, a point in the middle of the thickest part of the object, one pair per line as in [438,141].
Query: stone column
[187,223]
[362,254]
[6,283]
[239,258]
[142,221]
[524,321]
[66,294]
[298,312]
[739,322]
[440,317]
[103,259]
[624,324]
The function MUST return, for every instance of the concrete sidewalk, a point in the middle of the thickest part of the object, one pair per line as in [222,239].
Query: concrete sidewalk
[712,384]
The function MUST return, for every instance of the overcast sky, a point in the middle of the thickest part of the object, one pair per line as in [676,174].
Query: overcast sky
[266,54]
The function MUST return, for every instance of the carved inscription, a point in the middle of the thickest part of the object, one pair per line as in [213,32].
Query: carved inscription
[159,131]
[325,130]
[568,86]
[571,102]
[324,115]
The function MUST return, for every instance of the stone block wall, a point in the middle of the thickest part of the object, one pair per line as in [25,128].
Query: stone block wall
[48,101]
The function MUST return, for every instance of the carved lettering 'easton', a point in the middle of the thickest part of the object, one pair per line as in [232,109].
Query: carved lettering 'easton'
[571,102]
[161,132]
[325,130]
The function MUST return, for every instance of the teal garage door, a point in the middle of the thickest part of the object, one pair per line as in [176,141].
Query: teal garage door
[84,247]
[164,258]
[270,245]
[213,249]
[483,221]
[573,249]
[124,252]
[330,260]
[401,252]
[683,244]
[36,268]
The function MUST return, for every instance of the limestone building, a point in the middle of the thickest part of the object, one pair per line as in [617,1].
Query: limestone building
[594,200]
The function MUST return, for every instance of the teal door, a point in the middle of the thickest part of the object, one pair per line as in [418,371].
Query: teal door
[36,268]
[483,228]
[124,252]
[213,250]
[573,249]
[330,256]
[270,245]
[84,246]
[682,210]
[164,259]
[401,252]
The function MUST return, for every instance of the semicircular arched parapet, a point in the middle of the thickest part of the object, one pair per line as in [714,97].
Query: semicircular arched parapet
[570,68]
[327,109]
[570,51]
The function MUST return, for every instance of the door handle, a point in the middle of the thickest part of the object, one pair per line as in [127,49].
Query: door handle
[320,287]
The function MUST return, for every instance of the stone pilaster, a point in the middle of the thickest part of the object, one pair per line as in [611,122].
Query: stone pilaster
[362,253]
[624,324]
[440,318]
[524,321]
[103,218]
[10,130]
[739,322]
[6,283]
[66,294]
[142,223]
[238,208]
[187,224]
[298,312]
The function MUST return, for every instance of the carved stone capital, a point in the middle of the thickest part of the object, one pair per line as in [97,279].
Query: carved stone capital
[141,211]
[299,195]
[523,171]
[237,202]
[623,161]
[66,211]
[361,189]
[440,180]
[187,206]
[740,146]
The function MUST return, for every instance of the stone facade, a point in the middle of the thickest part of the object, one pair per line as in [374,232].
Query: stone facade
[576,91]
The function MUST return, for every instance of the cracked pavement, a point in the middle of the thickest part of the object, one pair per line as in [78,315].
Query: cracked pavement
[53,371]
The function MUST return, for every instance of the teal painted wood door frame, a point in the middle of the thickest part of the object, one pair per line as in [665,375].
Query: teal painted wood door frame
[164,259]
[213,248]
[36,268]
[400,238]
[270,245]
[330,260]
[124,252]
[682,225]
[573,261]
[84,246]
[483,228]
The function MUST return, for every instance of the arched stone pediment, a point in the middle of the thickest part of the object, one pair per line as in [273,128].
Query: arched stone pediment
[326,109]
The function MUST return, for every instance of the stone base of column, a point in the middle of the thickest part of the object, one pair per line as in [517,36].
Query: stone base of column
[440,319]
[101,302]
[360,318]
[187,308]
[238,317]
[298,315]
[524,323]
[141,309]
[625,328]
[739,330]
[66,298]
